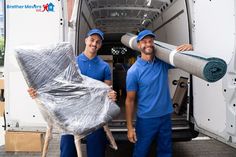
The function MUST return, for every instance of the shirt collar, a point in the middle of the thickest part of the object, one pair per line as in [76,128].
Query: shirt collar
[144,62]
[85,58]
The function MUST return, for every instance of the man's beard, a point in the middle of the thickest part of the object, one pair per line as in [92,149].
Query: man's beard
[148,52]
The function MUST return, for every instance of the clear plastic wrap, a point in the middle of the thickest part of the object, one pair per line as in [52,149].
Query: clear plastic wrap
[75,103]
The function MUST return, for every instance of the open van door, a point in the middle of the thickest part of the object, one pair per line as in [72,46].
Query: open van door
[28,22]
[213,34]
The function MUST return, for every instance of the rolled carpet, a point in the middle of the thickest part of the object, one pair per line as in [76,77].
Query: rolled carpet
[210,69]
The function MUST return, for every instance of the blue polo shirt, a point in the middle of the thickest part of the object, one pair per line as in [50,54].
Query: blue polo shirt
[95,68]
[150,81]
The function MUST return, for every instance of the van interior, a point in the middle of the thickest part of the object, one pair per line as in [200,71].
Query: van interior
[169,20]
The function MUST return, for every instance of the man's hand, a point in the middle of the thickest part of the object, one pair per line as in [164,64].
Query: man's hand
[131,134]
[32,92]
[185,47]
[112,95]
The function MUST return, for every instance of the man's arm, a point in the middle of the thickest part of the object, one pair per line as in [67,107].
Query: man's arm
[129,104]
[112,94]
[108,82]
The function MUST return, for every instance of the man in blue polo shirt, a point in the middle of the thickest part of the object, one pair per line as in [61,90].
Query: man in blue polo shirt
[148,79]
[92,66]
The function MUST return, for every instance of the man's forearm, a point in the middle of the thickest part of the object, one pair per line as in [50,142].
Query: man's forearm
[129,104]
[108,82]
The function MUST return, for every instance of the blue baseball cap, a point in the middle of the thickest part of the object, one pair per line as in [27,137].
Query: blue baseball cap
[145,33]
[96,31]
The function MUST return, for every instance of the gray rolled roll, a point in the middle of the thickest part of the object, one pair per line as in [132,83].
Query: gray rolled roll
[210,69]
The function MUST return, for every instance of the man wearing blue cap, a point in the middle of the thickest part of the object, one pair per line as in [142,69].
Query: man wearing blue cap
[92,66]
[148,79]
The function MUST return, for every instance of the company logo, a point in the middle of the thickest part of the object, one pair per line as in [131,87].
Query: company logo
[49,7]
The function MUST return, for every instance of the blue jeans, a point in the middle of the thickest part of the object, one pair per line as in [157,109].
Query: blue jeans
[96,145]
[150,129]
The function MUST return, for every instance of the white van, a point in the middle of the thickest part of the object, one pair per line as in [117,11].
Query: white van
[209,25]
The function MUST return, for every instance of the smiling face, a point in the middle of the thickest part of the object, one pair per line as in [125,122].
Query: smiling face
[146,45]
[93,43]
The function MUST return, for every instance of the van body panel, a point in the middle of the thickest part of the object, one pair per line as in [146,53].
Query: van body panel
[214,35]
[27,23]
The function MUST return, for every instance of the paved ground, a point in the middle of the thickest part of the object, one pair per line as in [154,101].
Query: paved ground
[195,148]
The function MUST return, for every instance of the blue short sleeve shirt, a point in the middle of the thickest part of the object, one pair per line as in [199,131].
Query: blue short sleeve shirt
[150,81]
[95,68]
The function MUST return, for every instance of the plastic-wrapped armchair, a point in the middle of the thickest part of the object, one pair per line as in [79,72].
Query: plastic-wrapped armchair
[76,104]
